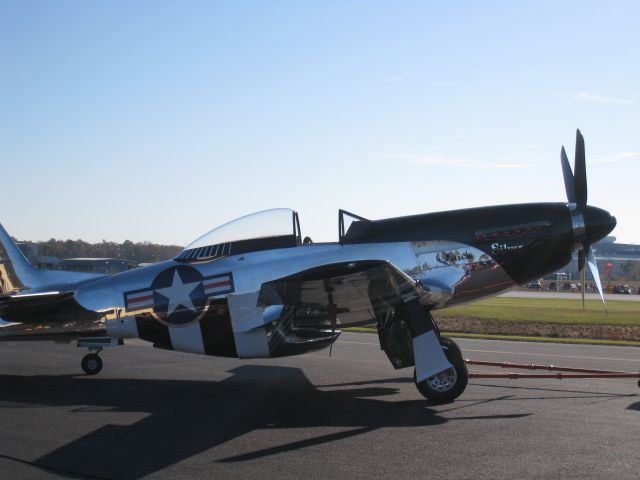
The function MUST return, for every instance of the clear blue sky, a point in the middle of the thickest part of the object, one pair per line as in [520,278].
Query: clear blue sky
[156,121]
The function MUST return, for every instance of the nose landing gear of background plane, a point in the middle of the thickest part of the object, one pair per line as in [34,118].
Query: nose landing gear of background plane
[448,385]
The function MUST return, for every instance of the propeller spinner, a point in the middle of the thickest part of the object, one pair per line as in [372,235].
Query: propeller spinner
[590,224]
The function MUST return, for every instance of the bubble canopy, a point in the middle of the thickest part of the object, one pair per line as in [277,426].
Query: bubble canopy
[268,229]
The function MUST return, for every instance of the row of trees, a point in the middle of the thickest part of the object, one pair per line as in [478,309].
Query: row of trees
[141,252]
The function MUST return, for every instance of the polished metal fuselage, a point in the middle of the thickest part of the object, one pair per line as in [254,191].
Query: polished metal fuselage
[445,269]
[486,251]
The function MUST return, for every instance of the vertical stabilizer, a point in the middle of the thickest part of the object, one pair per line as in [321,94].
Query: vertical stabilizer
[16,272]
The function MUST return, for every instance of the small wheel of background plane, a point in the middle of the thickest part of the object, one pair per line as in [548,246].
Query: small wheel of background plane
[91,364]
[448,385]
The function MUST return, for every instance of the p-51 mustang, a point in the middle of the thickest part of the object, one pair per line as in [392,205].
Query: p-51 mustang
[253,288]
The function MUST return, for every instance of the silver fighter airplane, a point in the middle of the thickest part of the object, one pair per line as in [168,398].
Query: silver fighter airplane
[253,288]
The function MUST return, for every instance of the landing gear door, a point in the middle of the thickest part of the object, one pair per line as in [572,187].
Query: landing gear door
[395,340]
[394,331]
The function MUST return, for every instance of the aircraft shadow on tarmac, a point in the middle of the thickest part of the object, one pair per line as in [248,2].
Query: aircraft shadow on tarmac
[634,406]
[189,417]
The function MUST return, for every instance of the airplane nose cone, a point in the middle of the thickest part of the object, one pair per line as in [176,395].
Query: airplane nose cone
[598,224]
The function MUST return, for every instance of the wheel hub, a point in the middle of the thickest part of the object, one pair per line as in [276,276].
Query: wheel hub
[443,381]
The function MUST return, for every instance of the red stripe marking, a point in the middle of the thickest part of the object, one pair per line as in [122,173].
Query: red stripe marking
[140,299]
[223,283]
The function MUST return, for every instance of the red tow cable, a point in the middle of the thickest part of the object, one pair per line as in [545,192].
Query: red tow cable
[576,372]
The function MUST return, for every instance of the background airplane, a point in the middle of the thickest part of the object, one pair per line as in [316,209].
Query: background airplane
[253,288]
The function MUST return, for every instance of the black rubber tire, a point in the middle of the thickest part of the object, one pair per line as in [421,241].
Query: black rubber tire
[454,355]
[91,364]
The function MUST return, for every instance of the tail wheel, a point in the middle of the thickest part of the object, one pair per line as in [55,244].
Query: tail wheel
[448,385]
[91,364]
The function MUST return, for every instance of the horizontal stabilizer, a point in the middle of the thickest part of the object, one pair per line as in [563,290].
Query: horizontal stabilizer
[32,299]
[44,315]
[36,307]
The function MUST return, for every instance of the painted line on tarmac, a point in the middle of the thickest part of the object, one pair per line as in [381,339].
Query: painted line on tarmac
[636,360]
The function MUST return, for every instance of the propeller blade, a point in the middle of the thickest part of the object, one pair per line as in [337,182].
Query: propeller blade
[568,177]
[580,169]
[583,273]
[593,266]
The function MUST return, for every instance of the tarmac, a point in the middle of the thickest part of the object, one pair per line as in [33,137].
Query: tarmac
[160,414]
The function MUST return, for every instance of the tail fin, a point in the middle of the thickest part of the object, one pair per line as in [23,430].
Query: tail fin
[16,273]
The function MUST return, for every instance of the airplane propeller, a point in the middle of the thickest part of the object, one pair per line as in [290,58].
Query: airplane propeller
[575,183]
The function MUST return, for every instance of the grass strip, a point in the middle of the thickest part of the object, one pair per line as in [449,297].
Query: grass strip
[547,310]
[516,338]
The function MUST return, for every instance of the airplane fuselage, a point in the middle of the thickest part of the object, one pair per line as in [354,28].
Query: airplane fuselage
[213,306]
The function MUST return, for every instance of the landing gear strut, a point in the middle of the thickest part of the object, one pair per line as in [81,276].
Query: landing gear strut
[448,385]
[91,364]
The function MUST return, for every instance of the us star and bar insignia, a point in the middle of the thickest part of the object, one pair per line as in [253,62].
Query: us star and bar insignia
[178,296]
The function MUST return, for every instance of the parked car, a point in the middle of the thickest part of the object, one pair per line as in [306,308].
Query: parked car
[535,285]
[552,286]
[624,289]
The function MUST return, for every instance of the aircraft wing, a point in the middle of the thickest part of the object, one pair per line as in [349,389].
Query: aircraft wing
[340,294]
[357,293]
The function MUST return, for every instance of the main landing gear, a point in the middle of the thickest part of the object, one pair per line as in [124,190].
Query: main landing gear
[448,385]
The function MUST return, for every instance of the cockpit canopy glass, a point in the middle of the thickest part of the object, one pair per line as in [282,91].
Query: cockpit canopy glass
[275,228]
[267,223]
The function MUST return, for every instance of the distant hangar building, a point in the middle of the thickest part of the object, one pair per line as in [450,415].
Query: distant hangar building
[610,257]
[107,266]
